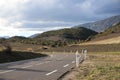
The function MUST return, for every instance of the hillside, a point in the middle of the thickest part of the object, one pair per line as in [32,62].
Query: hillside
[16,38]
[55,38]
[110,31]
[34,35]
[113,29]
[109,36]
[80,33]
[102,25]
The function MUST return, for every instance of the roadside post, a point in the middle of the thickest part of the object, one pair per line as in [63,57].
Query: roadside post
[85,54]
[77,58]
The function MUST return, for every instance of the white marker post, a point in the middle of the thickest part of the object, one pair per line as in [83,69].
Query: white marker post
[82,56]
[77,58]
[85,54]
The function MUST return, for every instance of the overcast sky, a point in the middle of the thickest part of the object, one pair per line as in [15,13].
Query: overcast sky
[27,17]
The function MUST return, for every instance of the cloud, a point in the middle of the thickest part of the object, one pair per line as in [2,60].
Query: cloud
[26,17]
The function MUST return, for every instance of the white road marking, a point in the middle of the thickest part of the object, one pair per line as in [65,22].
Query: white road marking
[39,64]
[66,65]
[51,72]
[73,61]
[47,61]
[51,55]
[27,66]
[6,71]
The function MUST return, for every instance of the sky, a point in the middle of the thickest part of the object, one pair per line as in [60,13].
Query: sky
[28,17]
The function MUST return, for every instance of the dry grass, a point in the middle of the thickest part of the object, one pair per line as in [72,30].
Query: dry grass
[114,40]
[19,52]
[102,66]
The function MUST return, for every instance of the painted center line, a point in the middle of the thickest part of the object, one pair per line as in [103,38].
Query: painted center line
[66,65]
[27,66]
[6,71]
[51,72]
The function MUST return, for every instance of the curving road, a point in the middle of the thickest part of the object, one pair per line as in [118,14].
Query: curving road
[47,68]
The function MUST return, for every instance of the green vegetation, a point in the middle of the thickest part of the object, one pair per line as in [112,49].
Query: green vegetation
[2,40]
[62,37]
[56,38]
[80,33]
[102,66]
[17,39]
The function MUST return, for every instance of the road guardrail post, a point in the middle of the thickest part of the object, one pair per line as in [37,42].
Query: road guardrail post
[85,54]
[77,58]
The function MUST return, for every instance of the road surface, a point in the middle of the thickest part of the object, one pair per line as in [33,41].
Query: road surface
[47,68]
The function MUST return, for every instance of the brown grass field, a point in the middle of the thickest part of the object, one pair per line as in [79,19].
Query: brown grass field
[98,66]
[113,40]
[102,63]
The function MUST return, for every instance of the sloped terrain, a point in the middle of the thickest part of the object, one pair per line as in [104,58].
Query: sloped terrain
[80,33]
[109,36]
[102,25]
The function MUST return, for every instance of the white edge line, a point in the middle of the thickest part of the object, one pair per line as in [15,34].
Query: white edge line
[27,66]
[6,71]
[66,65]
[51,72]
[39,64]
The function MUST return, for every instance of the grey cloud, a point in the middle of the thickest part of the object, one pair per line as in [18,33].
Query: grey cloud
[37,25]
[112,7]
[67,10]
[57,14]
[63,11]
[73,11]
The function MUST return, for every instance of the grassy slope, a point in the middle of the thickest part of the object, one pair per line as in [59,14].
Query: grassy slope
[100,66]
[68,33]
[113,40]
[109,36]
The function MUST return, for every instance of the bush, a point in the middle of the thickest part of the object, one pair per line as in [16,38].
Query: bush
[6,48]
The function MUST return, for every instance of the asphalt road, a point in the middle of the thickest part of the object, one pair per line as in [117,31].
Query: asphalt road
[47,68]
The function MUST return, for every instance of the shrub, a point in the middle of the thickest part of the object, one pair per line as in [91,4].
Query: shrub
[6,48]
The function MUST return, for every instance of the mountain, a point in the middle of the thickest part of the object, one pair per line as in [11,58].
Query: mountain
[34,35]
[113,30]
[109,36]
[80,33]
[6,37]
[102,25]
[17,38]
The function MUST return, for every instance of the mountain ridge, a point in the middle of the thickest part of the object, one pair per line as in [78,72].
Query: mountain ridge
[101,25]
[80,33]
